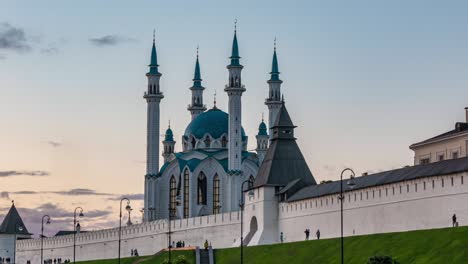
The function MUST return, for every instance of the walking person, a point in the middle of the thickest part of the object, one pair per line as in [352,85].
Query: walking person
[307,233]
[206,244]
[454,220]
[281,237]
[318,234]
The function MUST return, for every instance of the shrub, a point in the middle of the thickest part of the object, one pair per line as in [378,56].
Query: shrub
[382,260]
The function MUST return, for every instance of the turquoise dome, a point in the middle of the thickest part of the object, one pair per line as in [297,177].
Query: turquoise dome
[262,129]
[213,122]
[169,135]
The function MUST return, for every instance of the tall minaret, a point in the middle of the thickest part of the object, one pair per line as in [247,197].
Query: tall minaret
[234,89]
[262,142]
[168,144]
[153,97]
[197,107]
[274,97]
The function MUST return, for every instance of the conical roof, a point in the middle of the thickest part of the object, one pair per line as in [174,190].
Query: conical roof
[284,162]
[13,221]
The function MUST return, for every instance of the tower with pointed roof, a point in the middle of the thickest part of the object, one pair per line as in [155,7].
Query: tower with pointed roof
[273,101]
[234,89]
[262,142]
[153,97]
[168,144]
[197,107]
[11,229]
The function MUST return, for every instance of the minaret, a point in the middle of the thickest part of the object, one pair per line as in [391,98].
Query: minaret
[274,97]
[168,144]
[234,89]
[262,142]
[153,97]
[197,107]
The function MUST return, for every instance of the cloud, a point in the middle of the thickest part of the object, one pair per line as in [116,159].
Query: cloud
[13,38]
[2,57]
[54,144]
[23,173]
[135,196]
[4,195]
[110,40]
[80,191]
[50,50]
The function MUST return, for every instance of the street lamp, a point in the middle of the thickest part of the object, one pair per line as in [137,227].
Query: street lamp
[241,205]
[42,235]
[18,227]
[171,212]
[351,184]
[74,230]
[128,208]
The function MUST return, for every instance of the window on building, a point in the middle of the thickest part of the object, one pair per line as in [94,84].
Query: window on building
[251,181]
[400,189]
[416,187]
[441,157]
[355,197]
[451,181]
[424,185]
[373,193]
[433,184]
[224,142]
[393,190]
[380,193]
[361,195]
[386,192]
[461,179]
[424,161]
[367,195]
[193,142]
[207,141]
[443,183]
[172,196]
[186,193]
[407,187]
[201,189]
[455,155]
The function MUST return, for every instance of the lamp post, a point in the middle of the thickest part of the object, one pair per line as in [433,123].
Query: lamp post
[18,227]
[351,185]
[128,208]
[74,230]
[171,212]
[241,205]
[42,236]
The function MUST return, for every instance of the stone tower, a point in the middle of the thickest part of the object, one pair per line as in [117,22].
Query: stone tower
[234,89]
[262,142]
[197,107]
[168,144]
[153,97]
[273,101]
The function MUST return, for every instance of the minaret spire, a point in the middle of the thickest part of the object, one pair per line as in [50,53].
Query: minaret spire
[274,97]
[234,90]
[197,107]
[153,96]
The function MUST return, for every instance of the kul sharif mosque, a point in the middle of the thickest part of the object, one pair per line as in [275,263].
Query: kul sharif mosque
[206,177]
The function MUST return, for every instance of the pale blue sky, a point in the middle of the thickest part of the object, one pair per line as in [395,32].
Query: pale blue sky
[362,81]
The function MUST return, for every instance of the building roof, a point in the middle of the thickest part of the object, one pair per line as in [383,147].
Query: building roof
[213,122]
[274,68]
[154,61]
[262,129]
[460,129]
[283,161]
[387,177]
[197,75]
[169,136]
[235,52]
[13,221]
[66,232]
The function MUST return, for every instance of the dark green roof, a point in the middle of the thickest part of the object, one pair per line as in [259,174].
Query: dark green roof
[262,129]
[274,68]
[214,122]
[154,61]
[197,75]
[13,221]
[235,52]
[169,136]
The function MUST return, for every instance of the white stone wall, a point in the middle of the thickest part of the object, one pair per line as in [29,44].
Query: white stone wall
[220,230]
[7,246]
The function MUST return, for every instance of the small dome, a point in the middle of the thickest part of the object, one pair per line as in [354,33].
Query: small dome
[169,135]
[213,122]
[262,129]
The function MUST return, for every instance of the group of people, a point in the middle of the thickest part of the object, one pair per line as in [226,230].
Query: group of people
[56,261]
[179,244]
[134,253]
[307,234]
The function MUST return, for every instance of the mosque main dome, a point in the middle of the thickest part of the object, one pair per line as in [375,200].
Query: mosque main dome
[210,127]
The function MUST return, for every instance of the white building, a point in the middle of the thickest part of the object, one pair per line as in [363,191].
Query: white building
[201,186]
[11,229]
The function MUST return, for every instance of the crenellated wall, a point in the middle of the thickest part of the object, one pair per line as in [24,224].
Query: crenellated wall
[220,230]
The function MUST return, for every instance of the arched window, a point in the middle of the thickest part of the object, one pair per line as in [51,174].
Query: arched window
[193,142]
[207,141]
[172,196]
[251,181]
[224,142]
[186,193]
[216,195]
[201,189]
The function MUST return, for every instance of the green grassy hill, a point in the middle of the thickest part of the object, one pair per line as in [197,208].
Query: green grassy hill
[448,245]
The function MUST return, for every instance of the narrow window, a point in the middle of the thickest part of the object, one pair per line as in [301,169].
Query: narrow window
[400,189]
[361,196]
[367,195]
[393,189]
[172,196]
[451,180]
[416,187]
[354,197]
[433,184]
[216,201]
[186,193]
[386,192]
[443,183]
[461,179]
[223,142]
[201,190]
[424,185]
[207,142]
[455,155]
[380,193]
[373,193]
[441,157]
[407,187]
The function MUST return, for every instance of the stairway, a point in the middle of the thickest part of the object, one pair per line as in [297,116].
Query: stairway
[204,257]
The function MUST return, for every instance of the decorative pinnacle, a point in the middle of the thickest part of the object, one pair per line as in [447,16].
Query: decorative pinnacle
[197,50]
[154,35]
[275,44]
[262,116]
[169,126]
[214,100]
[235,25]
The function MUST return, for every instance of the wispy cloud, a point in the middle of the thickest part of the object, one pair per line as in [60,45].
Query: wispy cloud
[110,40]
[80,191]
[54,144]
[135,196]
[50,50]
[4,195]
[2,57]
[13,38]
[12,173]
